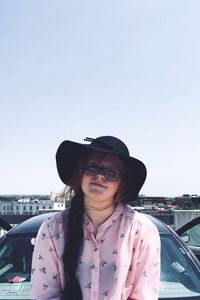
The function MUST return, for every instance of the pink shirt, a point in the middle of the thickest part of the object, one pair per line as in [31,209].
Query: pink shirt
[122,262]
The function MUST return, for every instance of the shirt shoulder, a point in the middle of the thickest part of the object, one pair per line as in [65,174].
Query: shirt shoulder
[138,218]
[54,225]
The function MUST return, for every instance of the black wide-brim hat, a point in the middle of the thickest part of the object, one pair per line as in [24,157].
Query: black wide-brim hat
[69,153]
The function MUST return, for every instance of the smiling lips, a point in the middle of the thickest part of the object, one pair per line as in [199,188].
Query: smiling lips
[95,184]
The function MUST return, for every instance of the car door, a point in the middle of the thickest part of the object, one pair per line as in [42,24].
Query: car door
[190,233]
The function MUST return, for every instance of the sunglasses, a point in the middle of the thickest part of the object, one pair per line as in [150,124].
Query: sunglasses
[111,174]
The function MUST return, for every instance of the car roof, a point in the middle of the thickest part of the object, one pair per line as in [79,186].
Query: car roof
[161,226]
[32,224]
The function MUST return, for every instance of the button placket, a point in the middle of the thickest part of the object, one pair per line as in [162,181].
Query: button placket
[95,273]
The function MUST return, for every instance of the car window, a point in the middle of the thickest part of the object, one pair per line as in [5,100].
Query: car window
[179,278]
[15,259]
[193,235]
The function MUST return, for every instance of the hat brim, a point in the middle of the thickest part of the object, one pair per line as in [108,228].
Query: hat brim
[69,153]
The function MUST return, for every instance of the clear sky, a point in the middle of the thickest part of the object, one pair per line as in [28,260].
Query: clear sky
[71,69]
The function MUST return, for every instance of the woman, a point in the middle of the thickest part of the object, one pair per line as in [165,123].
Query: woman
[99,248]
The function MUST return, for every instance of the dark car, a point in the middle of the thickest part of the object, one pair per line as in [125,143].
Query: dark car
[180,268]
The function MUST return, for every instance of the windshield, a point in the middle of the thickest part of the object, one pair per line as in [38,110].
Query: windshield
[179,277]
[15,259]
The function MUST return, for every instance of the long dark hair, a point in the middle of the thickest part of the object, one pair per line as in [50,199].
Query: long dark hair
[73,245]
[73,237]
[74,234]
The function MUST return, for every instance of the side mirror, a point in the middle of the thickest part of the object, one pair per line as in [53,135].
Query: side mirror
[185,237]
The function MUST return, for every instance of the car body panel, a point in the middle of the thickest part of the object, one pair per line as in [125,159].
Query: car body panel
[15,291]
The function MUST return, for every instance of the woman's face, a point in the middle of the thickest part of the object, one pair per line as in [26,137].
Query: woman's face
[98,187]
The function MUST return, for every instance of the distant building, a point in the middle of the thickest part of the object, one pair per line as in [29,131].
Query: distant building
[33,204]
[24,206]
[59,199]
[151,201]
[186,201]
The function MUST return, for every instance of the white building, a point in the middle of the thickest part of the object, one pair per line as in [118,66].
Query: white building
[24,206]
[33,206]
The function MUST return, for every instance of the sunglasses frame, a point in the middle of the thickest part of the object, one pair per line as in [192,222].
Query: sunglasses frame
[102,170]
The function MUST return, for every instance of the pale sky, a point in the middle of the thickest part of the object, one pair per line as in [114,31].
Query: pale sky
[71,69]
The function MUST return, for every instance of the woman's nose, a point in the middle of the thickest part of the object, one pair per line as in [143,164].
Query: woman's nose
[101,174]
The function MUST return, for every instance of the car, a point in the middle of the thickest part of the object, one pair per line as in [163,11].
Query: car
[180,268]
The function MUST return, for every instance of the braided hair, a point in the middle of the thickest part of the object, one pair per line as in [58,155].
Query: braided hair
[73,245]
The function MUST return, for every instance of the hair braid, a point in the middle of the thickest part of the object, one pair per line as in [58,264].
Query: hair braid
[73,245]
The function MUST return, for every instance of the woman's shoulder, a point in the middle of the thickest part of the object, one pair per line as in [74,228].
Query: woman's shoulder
[55,223]
[58,217]
[137,217]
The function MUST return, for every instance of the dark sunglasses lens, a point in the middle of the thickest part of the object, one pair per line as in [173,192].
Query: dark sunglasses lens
[112,174]
[91,169]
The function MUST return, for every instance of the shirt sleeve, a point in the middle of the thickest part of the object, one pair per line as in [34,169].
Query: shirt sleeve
[45,277]
[147,265]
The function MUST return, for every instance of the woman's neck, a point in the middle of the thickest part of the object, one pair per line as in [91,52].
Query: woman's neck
[98,213]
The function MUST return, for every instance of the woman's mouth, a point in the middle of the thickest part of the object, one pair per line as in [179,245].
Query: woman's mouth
[95,184]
